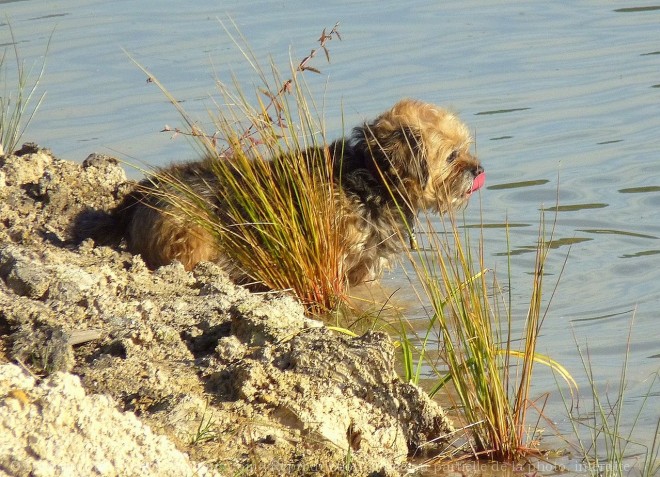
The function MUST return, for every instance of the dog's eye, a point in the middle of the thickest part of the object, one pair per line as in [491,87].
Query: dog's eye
[452,157]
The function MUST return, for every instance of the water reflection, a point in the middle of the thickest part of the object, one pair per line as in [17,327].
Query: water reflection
[575,207]
[515,185]
[640,190]
[617,232]
[552,244]
[636,9]
[640,254]
[501,111]
[503,225]
[603,317]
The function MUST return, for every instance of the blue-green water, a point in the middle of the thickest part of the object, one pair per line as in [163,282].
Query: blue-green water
[563,98]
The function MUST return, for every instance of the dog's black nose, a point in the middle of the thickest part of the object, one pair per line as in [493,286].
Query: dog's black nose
[477,170]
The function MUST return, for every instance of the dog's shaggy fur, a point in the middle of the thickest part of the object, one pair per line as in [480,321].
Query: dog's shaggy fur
[414,157]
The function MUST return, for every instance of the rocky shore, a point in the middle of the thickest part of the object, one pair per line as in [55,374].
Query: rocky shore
[110,369]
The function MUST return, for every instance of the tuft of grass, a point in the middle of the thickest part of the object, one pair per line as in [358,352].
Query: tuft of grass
[18,105]
[206,430]
[273,213]
[610,446]
[490,375]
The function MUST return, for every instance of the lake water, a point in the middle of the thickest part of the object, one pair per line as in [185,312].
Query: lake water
[561,96]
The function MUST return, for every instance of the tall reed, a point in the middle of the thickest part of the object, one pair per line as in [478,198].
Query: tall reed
[473,317]
[19,104]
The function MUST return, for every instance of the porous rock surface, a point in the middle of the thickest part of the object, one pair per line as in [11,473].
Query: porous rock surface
[108,368]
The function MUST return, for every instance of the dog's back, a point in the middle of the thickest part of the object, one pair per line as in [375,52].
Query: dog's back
[149,226]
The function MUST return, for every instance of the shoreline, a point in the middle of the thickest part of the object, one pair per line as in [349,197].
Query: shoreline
[220,380]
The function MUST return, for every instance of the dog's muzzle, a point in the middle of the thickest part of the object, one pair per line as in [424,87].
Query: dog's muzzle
[478,181]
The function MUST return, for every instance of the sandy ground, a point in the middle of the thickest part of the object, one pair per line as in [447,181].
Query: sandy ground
[110,369]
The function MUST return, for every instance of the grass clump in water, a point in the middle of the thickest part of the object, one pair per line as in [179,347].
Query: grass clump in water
[607,445]
[489,372]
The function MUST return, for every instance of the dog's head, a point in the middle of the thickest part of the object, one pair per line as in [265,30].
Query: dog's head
[422,153]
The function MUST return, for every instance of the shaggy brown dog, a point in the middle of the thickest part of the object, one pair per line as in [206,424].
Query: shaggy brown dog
[414,157]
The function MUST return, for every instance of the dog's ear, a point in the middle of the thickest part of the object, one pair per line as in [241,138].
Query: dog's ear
[398,153]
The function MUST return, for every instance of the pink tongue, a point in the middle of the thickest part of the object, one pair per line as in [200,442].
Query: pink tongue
[478,182]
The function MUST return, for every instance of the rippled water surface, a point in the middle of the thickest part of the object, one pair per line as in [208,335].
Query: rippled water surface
[563,98]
